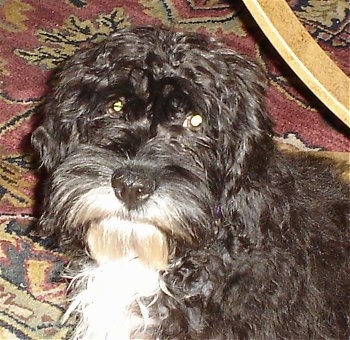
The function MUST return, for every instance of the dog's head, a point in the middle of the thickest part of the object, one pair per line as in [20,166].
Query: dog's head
[154,128]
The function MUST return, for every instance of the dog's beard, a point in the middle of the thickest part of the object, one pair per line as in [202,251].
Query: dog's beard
[116,239]
[128,257]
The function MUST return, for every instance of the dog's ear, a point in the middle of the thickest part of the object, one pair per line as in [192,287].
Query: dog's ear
[246,128]
[53,141]
[45,148]
[245,141]
[68,98]
[53,138]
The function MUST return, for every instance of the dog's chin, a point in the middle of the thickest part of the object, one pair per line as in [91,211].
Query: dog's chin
[114,239]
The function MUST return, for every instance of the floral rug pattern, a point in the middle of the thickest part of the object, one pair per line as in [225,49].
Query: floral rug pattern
[37,35]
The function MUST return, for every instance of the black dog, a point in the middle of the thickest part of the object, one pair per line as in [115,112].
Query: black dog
[187,221]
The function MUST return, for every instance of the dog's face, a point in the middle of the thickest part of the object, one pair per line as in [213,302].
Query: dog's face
[151,131]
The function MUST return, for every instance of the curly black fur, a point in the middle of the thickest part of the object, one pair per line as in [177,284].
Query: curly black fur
[267,253]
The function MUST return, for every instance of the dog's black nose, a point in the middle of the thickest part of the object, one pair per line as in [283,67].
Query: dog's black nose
[132,188]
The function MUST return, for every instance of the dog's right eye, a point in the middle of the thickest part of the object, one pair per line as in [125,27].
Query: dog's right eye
[116,107]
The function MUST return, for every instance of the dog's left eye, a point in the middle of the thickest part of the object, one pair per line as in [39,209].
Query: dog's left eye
[193,122]
[116,107]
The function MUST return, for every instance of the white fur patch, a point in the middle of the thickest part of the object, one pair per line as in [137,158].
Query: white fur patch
[107,294]
[108,299]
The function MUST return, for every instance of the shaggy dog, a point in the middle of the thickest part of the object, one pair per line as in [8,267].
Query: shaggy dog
[183,219]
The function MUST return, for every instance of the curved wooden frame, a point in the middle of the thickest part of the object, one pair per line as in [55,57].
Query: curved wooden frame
[302,53]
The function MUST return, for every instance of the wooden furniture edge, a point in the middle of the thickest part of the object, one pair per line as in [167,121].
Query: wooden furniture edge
[302,53]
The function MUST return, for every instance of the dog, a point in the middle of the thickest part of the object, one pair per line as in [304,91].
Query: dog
[181,216]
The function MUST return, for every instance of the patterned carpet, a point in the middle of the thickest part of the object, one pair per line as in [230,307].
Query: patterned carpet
[37,35]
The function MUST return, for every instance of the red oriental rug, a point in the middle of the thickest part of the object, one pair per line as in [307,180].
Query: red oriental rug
[37,35]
